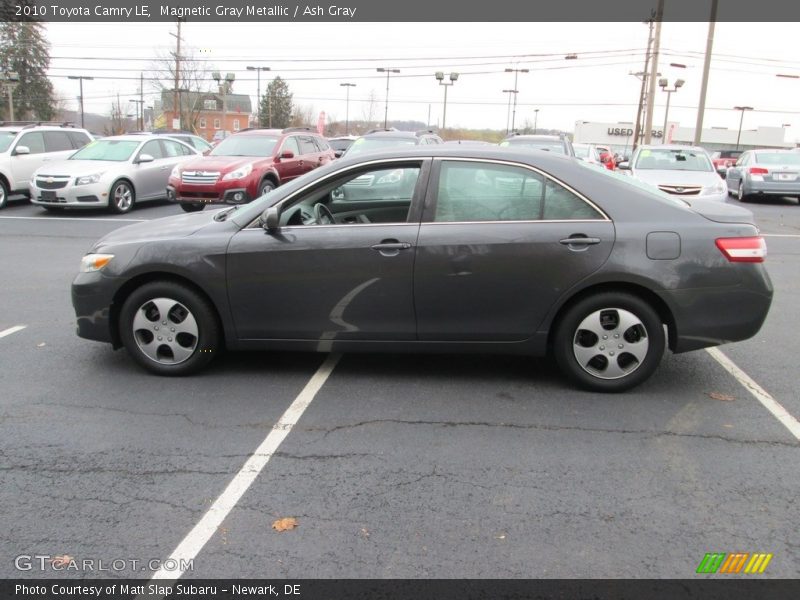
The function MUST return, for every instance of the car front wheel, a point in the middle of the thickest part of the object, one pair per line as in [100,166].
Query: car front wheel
[610,342]
[122,197]
[169,329]
[3,194]
[265,187]
[192,206]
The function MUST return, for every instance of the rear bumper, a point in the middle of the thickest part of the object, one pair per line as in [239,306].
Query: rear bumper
[710,317]
[773,188]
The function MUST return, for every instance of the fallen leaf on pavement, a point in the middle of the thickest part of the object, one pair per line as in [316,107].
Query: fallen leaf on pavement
[285,524]
[61,561]
[720,396]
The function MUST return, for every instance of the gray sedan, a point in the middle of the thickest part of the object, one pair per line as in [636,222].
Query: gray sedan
[114,172]
[759,173]
[486,250]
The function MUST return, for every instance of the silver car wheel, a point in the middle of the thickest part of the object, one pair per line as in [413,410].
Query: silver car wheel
[740,191]
[123,197]
[610,343]
[165,331]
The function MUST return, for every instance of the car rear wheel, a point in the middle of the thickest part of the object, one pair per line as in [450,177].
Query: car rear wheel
[169,329]
[192,206]
[122,197]
[610,342]
[740,195]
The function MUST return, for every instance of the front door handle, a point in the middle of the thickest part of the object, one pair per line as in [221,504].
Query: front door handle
[391,247]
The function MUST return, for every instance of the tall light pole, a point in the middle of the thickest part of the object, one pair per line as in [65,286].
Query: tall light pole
[10,81]
[258,89]
[80,78]
[508,111]
[663,84]
[388,72]
[347,86]
[739,135]
[535,120]
[516,91]
[440,78]
[139,108]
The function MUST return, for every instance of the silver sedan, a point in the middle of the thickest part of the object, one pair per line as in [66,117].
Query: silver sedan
[765,173]
[113,172]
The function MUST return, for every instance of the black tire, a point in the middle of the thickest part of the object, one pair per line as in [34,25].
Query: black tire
[122,197]
[3,194]
[613,366]
[141,324]
[740,195]
[53,209]
[265,187]
[192,206]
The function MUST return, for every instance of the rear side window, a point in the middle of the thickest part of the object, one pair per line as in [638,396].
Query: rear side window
[57,141]
[307,145]
[560,204]
[78,138]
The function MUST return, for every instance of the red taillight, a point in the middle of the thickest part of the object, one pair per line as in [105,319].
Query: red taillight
[758,171]
[743,249]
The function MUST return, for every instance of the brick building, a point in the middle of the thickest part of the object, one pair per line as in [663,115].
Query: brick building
[206,113]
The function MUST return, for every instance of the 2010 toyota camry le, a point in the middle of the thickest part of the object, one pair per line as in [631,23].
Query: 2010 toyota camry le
[436,249]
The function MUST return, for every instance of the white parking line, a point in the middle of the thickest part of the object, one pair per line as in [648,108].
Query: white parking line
[191,545]
[76,219]
[772,405]
[11,330]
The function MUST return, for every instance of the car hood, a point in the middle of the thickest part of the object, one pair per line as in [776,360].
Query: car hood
[177,226]
[78,168]
[223,164]
[659,177]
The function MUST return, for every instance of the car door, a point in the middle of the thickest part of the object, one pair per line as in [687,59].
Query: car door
[734,174]
[341,280]
[23,165]
[175,153]
[499,244]
[150,178]
[289,168]
[309,153]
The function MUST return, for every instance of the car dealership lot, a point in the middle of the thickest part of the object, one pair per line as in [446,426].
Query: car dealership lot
[401,466]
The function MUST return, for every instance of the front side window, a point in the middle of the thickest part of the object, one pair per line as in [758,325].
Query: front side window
[34,141]
[379,195]
[153,148]
[307,145]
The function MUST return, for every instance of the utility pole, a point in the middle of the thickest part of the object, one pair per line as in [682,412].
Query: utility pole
[141,98]
[10,80]
[637,128]
[258,70]
[139,106]
[440,79]
[388,72]
[516,91]
[701,108]
[80,78]
[651,93]
[347,86]
[176,95]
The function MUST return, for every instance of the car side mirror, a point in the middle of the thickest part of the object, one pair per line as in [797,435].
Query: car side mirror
[287,154]
[271,219]
[722,170]
[145,158]
[624,165]
[338,153]
[22,150]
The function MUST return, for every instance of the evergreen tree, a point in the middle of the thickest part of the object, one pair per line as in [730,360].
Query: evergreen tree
[24,50]
[277,102]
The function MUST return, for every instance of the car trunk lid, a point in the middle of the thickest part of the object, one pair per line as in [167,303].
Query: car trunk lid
[720,212]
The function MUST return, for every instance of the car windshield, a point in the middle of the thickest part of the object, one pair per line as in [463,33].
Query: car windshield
[583,151]
[673,160]
[246,145]
[550,146]
[777,158]
[6,137]
[110,150]
[378,143]
[340,144]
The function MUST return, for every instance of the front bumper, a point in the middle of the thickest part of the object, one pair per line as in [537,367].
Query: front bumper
[92,298]
[92,195]
[219,193]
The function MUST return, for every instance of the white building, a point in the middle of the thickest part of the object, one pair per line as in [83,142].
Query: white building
[620,136]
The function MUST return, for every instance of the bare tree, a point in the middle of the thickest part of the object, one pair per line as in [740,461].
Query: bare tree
[194,83]
[303,115]
[119,122]
[369,108]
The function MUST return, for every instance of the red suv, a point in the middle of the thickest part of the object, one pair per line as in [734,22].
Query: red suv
[247,165]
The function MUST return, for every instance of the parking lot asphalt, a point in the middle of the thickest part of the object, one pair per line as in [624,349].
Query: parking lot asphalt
[401,466]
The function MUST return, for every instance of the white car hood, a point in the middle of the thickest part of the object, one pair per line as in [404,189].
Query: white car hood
[668,177]
[78,168]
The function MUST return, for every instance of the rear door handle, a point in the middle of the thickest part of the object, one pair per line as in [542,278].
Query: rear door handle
[391,246]
[579,241]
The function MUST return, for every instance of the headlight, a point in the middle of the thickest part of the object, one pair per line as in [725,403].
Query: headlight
[239,173]
[176,172]
[392,177]
[86,179]
[95,262]
[717,188]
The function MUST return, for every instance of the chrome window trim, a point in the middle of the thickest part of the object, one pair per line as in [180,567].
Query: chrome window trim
[535,170]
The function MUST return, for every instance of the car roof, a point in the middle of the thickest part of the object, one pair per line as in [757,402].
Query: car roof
[133,137]
[537,136]
[479,151]
[670,147]
[781,150]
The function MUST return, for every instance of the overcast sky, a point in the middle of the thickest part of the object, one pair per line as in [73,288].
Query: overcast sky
[316,57]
